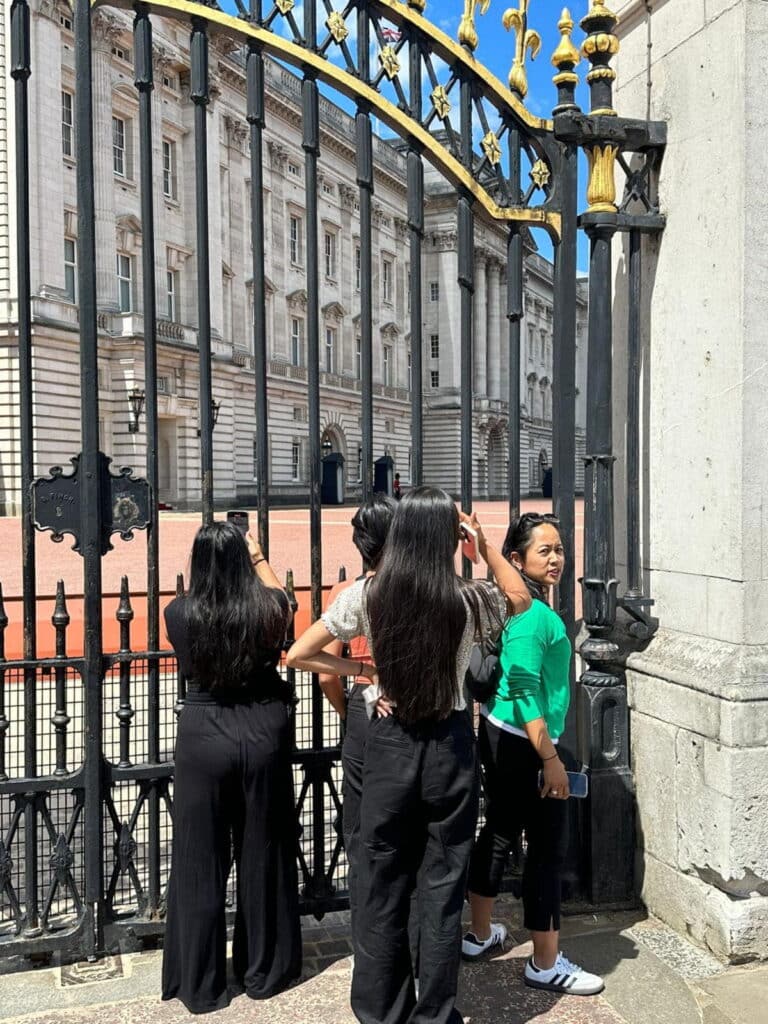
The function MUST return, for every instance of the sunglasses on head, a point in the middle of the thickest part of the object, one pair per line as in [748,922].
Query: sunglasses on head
[537,518]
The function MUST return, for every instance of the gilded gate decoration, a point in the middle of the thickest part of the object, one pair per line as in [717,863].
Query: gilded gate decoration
[86,770]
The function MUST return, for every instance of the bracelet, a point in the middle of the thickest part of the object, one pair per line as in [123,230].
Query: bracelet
[258,561]
[550,758]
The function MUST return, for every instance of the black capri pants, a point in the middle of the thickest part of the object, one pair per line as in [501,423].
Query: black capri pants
[512,804]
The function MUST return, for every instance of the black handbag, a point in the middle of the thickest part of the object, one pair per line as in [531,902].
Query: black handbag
[482,676]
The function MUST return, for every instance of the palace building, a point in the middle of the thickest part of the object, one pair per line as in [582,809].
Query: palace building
[54,256]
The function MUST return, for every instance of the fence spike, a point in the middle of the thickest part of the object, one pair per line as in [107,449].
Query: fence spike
[124,609]
[60,617]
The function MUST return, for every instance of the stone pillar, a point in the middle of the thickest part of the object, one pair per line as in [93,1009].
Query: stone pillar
[698,693]
[498,329]
[481,325]
[104,34]
[500,324]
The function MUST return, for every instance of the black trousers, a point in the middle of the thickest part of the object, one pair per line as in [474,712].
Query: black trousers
[352,756]
[417,821]
[233,789]
[512,803]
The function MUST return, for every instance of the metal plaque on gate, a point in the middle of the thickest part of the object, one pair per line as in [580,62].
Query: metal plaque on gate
[125,503]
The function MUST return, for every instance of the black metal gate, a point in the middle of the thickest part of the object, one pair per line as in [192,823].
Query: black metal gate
[86,742]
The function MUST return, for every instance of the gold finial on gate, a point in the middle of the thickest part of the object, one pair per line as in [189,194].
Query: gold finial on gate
[516,19]
[566,56]
[467,32]
[417,5]
[599,47]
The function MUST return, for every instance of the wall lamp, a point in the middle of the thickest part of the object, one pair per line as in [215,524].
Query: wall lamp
[215,410]
[136,399]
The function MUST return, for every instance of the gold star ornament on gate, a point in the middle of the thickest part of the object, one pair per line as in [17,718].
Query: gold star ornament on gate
[337,27]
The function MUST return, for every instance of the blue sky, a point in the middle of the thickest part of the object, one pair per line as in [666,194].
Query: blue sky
[496,50]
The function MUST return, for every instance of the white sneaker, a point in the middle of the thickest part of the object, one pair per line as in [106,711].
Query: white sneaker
[472,947]
[564,977]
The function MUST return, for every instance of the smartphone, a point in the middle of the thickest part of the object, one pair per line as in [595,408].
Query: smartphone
[238,519]
[469,547]
[578,783]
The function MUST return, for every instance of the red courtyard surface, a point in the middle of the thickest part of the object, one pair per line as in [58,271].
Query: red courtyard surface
[289,543]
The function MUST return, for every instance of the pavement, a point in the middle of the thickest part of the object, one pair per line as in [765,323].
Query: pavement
[653,976]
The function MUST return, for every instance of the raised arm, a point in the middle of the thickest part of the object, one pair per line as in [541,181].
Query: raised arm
[506,575]
[331,684]
[309,653]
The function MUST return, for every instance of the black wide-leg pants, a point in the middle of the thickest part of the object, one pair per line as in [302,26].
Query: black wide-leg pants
[233,791]
[417,821]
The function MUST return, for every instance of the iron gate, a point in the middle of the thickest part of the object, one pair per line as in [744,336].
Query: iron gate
[86,742]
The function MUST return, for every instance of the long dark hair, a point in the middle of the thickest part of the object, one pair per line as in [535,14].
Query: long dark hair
[234,622]
[520,537]
[416,607]
[370,526]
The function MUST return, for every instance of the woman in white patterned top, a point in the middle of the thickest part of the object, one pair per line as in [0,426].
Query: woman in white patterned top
[420,775]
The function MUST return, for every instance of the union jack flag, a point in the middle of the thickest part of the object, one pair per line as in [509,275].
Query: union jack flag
[391,35]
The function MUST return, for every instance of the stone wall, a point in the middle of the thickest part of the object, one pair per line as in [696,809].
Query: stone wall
[699,693]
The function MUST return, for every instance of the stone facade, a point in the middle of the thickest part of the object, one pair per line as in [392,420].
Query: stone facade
[699,693]
[54,234]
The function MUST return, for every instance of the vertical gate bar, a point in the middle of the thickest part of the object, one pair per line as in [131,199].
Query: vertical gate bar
[124,616]
[311,146]
[416,226]
[200,97]
[466,277]
[256,119]
[514,316]
[144,80]
[634,569]
[20,72]
[60,719]
[91,467]
[364,135]
[564,384]
[181,682]
[3,718]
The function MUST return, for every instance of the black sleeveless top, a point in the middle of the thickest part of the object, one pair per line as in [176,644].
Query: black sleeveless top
[265,683]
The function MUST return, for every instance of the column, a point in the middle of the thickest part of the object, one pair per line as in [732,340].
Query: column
[495,346]
[481,325]
[104,34]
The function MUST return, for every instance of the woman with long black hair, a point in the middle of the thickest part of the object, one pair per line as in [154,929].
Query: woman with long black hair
[420,776]
[233,784]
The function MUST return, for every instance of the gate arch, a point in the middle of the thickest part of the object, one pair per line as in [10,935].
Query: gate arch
[101,824]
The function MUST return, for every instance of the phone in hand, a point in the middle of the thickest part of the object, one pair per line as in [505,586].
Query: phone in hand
[239,519]
[469,545]
[578,783]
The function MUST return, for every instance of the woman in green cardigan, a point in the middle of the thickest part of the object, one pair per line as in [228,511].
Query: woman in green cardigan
[519,731]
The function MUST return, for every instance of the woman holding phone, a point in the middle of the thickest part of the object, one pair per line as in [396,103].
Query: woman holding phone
[233,783]
[519,731]
[420,777]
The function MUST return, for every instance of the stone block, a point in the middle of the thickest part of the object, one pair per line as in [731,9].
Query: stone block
[703,814]
[673,22]
[654,762]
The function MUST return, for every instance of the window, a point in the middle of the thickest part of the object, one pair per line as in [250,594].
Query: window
[296,236]
[296,460]
[119,161]
[408,287]
[434,291]
[293,169]
[170,82]
[65,22]
[434,346]
[543,345]
[330,349]
[434,377]
[330,254]
[124,283]
[122,53]
[530,402]
[67,124]
[387,276]
[169,169]
[297,340]
[530,345]
[359,358]
[359,463]
[327,189]
[410,373]
[387,366]
[70,269]
[358,267]
[172,295]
